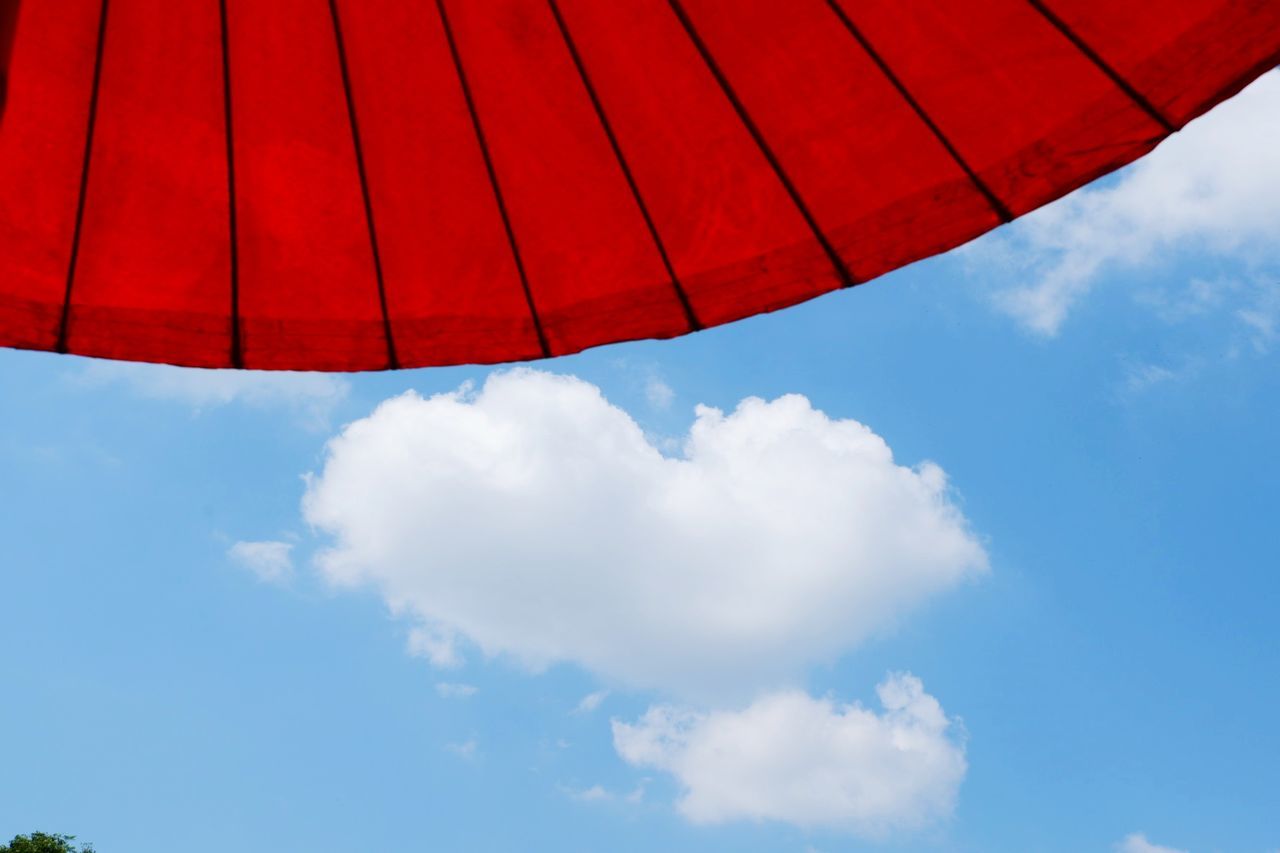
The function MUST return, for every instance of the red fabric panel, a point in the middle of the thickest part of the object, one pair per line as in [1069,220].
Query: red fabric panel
[1025,108]
[308,293]
[153,278]
[1178,54]
[648,166]
[593,268]
[882,189]
[42,139]
[451,280]
[732,233]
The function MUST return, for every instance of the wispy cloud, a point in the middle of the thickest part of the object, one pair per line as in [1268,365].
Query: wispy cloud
[659,394]
[594,794]
[271,561]
[600,794]
[436,644]
[591,702]
[467,750]
[1138,843]
[312,396]
[453,690]
[1211,190]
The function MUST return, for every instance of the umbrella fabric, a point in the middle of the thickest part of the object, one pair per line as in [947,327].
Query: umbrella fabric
[364,184]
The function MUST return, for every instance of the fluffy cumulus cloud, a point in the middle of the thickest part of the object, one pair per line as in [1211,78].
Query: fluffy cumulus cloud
[532,519]
[1138,843]
[790,757]
[312,395]
[271,562]
[1213,188]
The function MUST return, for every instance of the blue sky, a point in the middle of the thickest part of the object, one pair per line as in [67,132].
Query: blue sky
[222,628]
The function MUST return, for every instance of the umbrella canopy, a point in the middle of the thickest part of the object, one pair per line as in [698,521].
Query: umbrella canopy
[366,184]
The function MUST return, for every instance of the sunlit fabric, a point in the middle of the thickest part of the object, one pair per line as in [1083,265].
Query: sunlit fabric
[369,184]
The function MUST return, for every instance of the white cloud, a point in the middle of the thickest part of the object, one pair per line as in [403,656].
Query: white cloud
[594,794]
[272,562]
[312,395]
[591,701]
[1212,188]
[533,519]
[1138,843]
[437,645]
[793,758]
[451,690]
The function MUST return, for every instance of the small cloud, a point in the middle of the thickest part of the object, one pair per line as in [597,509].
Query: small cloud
[658,393]
[466,750]
[1140,377]
[436,645]
[590,702]
[1137,843]
[449,690]
[594,794]
[271,562]
[796,759]
[1143,376]
[600,794]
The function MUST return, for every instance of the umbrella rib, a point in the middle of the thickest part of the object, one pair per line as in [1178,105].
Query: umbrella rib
[65,319]
[393,362]
[237,349]
[8,22]
[1105,67]
[842,269]
[493,177]
[1001,209]
[690,316]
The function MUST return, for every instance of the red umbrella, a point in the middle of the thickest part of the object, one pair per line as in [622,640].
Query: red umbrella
[362,184]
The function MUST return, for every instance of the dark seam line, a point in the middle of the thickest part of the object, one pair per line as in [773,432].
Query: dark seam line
[493,177]
[393,362]
[65,320]
[842,269]
[694,323]
[237,351]
[1092,55]
[8,23]
[1001,210]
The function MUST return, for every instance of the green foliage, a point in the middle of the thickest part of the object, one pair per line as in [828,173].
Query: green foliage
[39,842]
